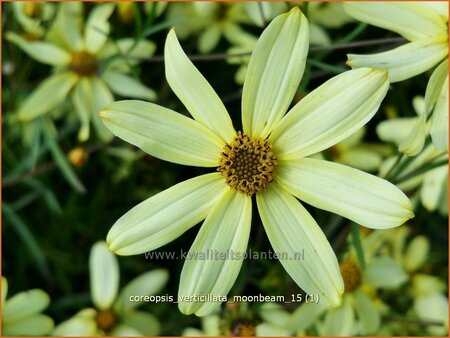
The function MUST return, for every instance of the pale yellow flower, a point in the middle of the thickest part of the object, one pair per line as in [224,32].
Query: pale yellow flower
[31,15]
[268,159]
[424,24]
[78,56]
[21,313]
[361,309]
[115,313]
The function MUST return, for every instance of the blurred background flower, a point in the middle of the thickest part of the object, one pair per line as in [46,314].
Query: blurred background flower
[21,313]
[115,313]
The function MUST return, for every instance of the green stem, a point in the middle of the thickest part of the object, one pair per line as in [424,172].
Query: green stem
[356,240]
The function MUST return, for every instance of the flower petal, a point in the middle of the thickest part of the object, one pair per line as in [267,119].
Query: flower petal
[414,141]
[104,272]
[433,307]
[274,72]
[341,320]
[405,61]
[361,157]
[122,330]
[82,98]
[97,27]
[78,325]
[4,292]
[37,325]
[435,84]
[42,51]
[292,230]
[270,330]
[439,7]
[65,30]
[395,130]
[275,314]
[143,322]
[165,216]
[47,96]
[127,86]
[163,133]
[209,39]
[194,91]
[101,97]
[365,199]
[433,187]
[305,315]
[367,313]
[416,254]
[413,21]
[439,123]
[384,272]
[225,230]
[141,49]
[25,304]
[330,113]
[146,284]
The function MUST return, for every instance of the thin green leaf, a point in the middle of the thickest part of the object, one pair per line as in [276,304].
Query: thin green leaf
[356,240]
[36,144]
[158,27]
[25,163]
[326,67]
[49,196]
[30,242]
[61,160]
[24,200]
[421,170]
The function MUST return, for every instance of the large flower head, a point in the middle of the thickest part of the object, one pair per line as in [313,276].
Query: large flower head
[114,313]
[268,158]
[424,25]
[84,66]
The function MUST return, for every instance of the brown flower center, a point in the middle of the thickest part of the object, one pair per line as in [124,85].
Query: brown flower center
[84,63]
[247,164]
[243,328]
[106,320]
[32,9]
[351,274]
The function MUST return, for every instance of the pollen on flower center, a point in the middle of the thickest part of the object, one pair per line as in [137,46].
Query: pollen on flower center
[106,320]
[247,164]
[84,63]
[351,274]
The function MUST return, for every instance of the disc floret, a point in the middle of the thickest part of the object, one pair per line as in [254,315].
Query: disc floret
[247,164]
[84,63]
[351,274]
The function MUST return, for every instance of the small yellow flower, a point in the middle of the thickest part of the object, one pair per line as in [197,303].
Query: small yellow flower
[268,159]
[31,15]
[114,314]
[77,56]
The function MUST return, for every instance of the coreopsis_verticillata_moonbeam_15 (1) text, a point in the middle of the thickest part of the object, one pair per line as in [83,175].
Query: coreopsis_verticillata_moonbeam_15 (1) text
[267,159]
[79,56]
[424,24]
